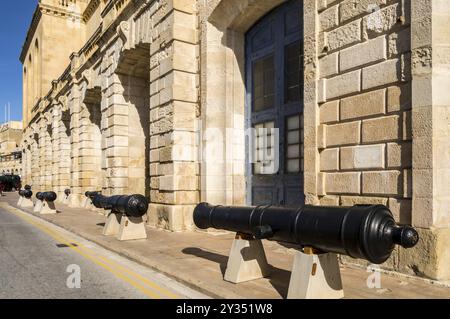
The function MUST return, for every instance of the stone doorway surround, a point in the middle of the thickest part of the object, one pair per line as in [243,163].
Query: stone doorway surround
[223,94]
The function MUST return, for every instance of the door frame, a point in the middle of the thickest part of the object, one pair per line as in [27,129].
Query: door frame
[279,88]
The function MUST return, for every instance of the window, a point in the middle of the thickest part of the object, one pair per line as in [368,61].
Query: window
[263,83]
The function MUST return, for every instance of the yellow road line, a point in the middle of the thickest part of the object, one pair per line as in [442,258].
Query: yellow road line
[99,260]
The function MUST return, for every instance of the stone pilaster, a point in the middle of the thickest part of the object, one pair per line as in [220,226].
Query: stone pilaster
[115,125]
[174,67]
[74,101]
[48,154]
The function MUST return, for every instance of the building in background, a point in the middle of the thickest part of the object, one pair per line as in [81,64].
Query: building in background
[158,96]
[10,151]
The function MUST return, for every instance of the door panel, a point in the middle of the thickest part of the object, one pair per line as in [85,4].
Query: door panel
[274,77]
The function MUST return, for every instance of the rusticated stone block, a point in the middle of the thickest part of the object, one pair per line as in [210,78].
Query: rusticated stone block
[329,112]
[382,183]
[343,84]
[353,8]
[362,54]
[343,134]
[381,129]
[343,183]
[367,104]
[345,35]
[329,160]
[362,157]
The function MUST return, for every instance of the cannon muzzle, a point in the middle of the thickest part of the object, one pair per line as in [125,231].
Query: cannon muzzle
[363,231]
[47,196]
[133,206]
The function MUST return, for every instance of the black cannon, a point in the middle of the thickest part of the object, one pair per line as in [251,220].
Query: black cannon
[132,206]
[67,191]
[363,231]
[47,196]
[27,193]
[27,187]
[91,195]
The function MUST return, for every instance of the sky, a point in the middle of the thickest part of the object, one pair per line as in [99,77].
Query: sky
[15,18]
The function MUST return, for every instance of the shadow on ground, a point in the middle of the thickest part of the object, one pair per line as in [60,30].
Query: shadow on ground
[279,278]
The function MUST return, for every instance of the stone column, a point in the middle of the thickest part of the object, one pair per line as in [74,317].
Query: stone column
[174,168]
[311,110]
[430,42]
[42,153]
[55,150]
[90,140]
[61,151]
[25,154]
[115,129]
[48,152]
[64,160]
[35,161]
[74,101]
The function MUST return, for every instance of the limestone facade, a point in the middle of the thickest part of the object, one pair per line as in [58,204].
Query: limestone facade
[150,97]
[10,153]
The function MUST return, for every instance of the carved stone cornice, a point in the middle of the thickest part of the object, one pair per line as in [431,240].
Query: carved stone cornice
[90,9]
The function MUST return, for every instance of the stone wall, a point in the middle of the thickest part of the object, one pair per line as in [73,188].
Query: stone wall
[365,102]
[154,103]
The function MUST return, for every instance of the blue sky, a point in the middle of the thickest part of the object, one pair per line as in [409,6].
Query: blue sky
[15,18]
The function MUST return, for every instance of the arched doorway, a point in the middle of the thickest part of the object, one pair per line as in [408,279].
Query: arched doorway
[274,107]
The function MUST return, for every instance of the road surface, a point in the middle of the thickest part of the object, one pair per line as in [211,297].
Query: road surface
[40,260]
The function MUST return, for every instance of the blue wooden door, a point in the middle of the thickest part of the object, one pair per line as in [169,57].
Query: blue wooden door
[274,80]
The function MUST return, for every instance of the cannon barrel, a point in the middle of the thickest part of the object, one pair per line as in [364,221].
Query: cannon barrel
[91,195]
[26,193]
[47,196]
[67,191]
[133,206]
[362,231]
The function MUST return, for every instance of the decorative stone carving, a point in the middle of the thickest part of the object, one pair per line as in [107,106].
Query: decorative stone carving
[124,31]
[62,100]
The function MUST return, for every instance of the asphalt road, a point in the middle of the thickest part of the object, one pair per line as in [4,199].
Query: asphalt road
[40,260]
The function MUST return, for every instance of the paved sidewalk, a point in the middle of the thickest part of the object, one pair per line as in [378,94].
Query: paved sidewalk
[199,259]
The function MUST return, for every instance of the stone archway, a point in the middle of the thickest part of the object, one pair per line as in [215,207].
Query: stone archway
[133,70]
[35,163]
[223,97]
[90,147]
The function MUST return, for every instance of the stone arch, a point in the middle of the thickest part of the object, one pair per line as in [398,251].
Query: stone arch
[133,74]
[223,96]
[35,162]
[91,173]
